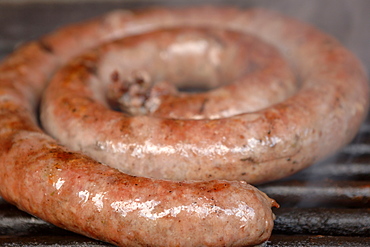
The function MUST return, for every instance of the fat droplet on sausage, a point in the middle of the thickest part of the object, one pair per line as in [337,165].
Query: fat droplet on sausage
[185,149]
[148,209]
[194,47]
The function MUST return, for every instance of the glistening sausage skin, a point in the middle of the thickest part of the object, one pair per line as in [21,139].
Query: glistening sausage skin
[179,135]
[323,114]
[75,192]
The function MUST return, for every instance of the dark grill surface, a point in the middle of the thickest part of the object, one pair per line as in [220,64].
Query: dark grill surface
[327,204]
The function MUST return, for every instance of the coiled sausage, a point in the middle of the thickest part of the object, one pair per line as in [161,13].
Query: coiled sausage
[73,191]
[165,134]
[269,141]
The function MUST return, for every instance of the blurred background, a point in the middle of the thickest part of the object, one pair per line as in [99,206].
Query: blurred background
[347,20]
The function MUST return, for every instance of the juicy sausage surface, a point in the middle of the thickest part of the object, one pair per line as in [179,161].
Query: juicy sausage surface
[74,104]
[329,95]
[73,191]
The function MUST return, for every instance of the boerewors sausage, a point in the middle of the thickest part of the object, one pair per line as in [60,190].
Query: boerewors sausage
[213,138]
[161,138]
[76,192]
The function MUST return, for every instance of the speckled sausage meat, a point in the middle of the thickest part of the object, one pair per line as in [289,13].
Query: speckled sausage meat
[213,138]
[73,191]
[170,144]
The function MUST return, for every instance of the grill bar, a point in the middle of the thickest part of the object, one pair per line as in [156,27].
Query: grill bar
[275,241]
[316,241]
[320,193]
[335,171]
[49,240]
[324,221]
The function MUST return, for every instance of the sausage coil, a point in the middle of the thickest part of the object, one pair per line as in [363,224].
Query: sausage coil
[158,136]
[209,140]
[308,119]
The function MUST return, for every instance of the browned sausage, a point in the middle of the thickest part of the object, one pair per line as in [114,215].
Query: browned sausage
[258,146]
[68,118]
[73,191]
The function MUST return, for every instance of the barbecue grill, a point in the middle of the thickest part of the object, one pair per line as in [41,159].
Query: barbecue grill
[327,204]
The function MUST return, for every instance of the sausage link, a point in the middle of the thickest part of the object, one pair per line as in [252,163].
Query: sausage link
[75,192]
[71,103]
[265,144]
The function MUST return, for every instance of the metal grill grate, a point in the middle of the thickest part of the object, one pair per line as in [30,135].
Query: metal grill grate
[327,204]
